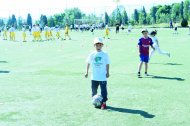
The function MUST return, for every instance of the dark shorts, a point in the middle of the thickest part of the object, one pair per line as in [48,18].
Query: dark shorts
[144,58]
[175,28]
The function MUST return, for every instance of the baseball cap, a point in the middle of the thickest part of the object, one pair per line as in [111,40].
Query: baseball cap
[144,30]
[98,40]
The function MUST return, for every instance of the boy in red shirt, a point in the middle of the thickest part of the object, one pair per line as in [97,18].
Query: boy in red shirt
[144,44]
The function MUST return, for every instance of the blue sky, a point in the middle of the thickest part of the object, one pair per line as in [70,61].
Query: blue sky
[49,7]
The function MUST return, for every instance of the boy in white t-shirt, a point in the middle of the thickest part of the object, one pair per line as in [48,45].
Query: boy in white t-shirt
[156,45]
[99,62]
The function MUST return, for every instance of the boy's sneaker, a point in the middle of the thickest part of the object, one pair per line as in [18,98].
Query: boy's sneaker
[146,74]
[139,74]
[103,106]
[168,54]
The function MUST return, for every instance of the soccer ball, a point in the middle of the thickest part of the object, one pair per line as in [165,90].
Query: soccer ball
[97,101]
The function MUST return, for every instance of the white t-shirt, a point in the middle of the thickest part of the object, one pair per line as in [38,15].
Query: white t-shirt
[98,62]
[46,28]
[155,41]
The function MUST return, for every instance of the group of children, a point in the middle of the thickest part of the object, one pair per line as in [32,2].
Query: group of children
[11,31]
[36,32]
[99,62]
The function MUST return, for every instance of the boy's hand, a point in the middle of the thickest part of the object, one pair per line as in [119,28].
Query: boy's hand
[107,75]
[86,75]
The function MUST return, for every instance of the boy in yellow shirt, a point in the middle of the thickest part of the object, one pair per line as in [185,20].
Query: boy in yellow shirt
[107,32]
[5,33]
[57,30]
[23,34]
[34,32]
[46,29]
[67,32]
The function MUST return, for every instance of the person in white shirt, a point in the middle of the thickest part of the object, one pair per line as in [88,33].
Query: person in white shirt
[46,29]
[99,62]
[24,33]
[12,33]
[57,30]
[129,28]
[175,28]
[156,45]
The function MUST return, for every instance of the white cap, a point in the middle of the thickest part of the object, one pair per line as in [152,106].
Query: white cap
[98,40]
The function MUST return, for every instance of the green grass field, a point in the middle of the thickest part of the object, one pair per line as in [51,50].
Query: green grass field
[43,84]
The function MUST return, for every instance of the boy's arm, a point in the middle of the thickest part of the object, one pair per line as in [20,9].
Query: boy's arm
[107,70]
[152,47]
[157,43]
[87,69]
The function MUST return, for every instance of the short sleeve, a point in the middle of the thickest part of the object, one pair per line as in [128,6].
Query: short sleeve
[89,59]
[151,43]
[140,42]
[107,59]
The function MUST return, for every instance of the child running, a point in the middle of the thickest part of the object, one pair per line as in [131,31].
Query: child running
[99,61]
[156,45]
[144,44]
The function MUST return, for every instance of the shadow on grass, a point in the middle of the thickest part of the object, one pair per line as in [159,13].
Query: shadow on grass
[131,111]
[171,64]
[3,62]
[164,78]
[168,78]
[2,71]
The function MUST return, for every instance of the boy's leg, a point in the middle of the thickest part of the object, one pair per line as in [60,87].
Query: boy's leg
[94,87]
[140,67]
[103,86]
[146,68]
[162,52]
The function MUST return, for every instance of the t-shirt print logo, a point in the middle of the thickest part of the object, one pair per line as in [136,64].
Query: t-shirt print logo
[98,59]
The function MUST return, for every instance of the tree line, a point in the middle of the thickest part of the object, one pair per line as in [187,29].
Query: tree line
[176,12]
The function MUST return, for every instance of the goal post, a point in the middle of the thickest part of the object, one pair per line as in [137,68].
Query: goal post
[87,21]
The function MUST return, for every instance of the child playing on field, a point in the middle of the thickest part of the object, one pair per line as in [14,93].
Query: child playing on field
[46,29]
[99,61]
[156,45]
[24,33]
[107,32]
[175,28]
[5,33]
[67,32]
[144,44]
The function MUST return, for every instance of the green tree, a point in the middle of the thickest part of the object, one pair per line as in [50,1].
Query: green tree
[51,22]
[106,18]
[20,22]
[43,20]
[29,20]
[13,21]
[71,14]
[175,12]
[136,16]
[181,9]
[142,16]
[1,23]
[162,12]
[125,17]
[59,19]
[112,19]
[186,9]
[153,11]
[118,16]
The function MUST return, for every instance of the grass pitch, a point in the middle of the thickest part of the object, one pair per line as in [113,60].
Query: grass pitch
[43,84]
